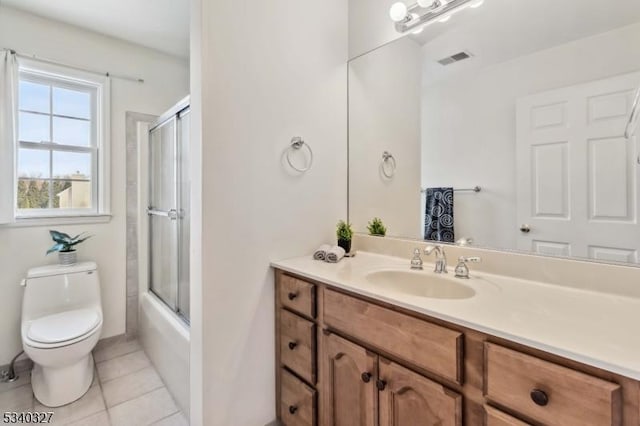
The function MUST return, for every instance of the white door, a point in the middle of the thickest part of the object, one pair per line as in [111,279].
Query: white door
[577,174]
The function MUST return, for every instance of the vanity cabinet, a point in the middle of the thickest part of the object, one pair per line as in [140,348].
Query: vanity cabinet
[363,388]
[549,393]
[407,397]
[343,359]
[349,393]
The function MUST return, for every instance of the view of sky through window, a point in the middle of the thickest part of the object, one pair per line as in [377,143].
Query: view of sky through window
[58,115]
[55,160]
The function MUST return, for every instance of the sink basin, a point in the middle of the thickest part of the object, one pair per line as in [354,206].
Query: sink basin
[421,284]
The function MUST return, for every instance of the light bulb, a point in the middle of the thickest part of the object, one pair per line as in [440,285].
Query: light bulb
[476,4]
[414,16]
[425,3]
[398,12]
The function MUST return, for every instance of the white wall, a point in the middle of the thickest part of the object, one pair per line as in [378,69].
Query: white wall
[384,115]
[277,72]
[468,125]
[166,81]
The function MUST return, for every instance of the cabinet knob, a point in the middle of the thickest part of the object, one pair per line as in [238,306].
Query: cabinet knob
[292,345]
[366,377]
[293,409]
[292,295]
[539,397]
[381,384]
[525,229]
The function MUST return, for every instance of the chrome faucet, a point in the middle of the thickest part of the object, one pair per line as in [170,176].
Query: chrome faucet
[416,260]
[441,258]
[462,270]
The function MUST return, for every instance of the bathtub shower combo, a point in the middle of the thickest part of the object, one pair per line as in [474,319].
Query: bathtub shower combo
[164,305]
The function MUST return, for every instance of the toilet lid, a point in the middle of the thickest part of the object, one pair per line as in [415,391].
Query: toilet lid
[63,326]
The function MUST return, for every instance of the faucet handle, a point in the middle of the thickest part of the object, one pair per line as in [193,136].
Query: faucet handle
[462,270]
[416,261]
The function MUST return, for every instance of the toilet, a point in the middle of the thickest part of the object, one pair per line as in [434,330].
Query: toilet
[61,324]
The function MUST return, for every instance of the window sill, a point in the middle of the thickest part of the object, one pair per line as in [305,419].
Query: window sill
[58,220]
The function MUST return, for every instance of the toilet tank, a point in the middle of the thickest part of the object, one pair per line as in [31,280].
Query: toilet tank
[56,288]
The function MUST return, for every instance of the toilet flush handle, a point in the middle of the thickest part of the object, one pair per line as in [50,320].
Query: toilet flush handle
[23,283]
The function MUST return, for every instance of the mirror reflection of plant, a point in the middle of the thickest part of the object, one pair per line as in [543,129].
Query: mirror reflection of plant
[344,231]
[376,227]
[64,242]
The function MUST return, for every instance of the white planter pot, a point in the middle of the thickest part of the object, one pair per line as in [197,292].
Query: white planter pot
[67,257]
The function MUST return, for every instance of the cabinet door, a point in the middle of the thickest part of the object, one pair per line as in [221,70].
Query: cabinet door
[349,394]
[409,399]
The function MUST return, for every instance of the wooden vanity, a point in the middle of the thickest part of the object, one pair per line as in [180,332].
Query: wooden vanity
[344,359]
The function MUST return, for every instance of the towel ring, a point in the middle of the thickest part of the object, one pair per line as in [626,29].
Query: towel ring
[387,158]
[297,143]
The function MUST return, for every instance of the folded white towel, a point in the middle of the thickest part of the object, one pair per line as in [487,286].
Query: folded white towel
[321,252]
[335,254]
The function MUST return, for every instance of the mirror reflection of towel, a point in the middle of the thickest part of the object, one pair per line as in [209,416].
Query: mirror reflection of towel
[438,217]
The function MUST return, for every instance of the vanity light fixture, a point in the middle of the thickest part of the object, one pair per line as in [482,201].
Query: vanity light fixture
[413,18]
[419,30]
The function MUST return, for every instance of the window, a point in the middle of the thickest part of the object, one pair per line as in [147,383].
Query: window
[61,145]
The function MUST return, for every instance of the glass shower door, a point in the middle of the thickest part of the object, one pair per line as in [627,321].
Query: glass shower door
[184,230]
[169,186]
[163,213]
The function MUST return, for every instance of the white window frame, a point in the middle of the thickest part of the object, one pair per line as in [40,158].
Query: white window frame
[99,85]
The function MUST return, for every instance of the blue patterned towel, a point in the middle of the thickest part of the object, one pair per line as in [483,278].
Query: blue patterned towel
[438,216]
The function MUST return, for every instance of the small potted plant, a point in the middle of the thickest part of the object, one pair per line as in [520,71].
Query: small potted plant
[344,233]
[376,227]
[64,245]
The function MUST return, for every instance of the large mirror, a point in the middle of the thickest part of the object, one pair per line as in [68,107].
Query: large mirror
[503,125]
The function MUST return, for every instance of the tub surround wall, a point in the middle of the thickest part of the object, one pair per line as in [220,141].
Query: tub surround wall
[133,120]
[606,278]
[166,82]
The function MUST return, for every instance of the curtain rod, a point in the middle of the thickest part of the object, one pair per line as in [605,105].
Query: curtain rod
[52,62]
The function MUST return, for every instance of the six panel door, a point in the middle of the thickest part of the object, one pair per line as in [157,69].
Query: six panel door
[577,174]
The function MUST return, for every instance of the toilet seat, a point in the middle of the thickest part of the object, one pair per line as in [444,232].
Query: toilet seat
[62,328]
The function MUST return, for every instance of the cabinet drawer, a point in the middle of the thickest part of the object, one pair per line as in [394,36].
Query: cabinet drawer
[428,346]
[297,401]
[298,295]
[298,345]
[495,417]
[549,393]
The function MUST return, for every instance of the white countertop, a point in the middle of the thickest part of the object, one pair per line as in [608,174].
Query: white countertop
[592,328]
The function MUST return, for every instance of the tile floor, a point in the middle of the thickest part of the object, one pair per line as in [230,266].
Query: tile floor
[126,391]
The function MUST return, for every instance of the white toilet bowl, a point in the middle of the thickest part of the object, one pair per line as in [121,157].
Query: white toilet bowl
[61,324]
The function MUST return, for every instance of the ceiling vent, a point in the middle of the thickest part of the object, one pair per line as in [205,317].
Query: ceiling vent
[455,58]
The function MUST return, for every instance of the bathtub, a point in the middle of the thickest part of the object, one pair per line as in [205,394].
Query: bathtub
[165,339]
